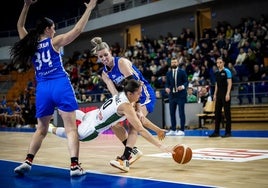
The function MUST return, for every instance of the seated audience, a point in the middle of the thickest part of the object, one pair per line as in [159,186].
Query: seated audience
[191,98]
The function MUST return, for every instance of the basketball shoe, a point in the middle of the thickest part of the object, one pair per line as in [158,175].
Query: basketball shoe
[51,127]
[24,168]
[120,163]
[76,170]
[171,133]
[179,133]
[135,155]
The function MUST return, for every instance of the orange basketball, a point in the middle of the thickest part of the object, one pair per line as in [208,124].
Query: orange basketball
[183,154]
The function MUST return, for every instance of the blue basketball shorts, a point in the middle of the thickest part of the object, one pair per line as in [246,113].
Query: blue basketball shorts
[55,93]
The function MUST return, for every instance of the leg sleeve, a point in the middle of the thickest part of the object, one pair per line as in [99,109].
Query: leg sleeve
[60,132]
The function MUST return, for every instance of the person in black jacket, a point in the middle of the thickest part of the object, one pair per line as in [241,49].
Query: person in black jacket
[176,88]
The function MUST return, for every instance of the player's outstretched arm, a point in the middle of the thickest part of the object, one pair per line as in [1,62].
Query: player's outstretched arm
[67,38]
[161,133]
[133,119]
[22,18]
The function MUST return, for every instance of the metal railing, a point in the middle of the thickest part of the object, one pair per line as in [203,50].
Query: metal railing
[255,93]
[246,93]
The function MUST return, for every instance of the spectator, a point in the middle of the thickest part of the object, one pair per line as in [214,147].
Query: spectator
[243,40]
[153,67]
[234,73]
[154,82]
[191,98]
[241,57]
[196,76]
[203,95]
[203,75]
[250,61]
[236,36]
[163,68]
[229,32]
[240,67]
[255,79]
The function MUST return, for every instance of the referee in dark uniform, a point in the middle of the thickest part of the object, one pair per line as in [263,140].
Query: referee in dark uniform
[222,97]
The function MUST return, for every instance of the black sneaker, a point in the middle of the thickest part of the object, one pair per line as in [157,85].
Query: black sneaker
[227,135]
[214,135]
[135,155]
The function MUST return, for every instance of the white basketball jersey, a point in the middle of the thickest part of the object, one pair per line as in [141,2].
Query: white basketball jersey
[107,115]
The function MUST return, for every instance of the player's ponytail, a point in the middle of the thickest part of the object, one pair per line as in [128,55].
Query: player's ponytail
[98,45]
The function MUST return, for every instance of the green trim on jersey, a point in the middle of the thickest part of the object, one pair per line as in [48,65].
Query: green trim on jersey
[109,121]
[91,136]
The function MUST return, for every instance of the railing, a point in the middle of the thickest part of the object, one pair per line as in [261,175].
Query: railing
[128,4]
[254,92]
[243,93]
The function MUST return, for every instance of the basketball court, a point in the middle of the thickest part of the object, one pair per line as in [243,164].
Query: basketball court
[239,161]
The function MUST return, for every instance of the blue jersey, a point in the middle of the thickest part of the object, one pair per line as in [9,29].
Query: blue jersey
[148,97]
[53,88]
[47,62]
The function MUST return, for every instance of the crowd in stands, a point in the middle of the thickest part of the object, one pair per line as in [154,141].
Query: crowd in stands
[243,48]
[21,111]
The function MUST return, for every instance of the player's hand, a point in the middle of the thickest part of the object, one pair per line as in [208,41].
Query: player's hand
[29,2]
[167,90]
[91,4]
[161,134]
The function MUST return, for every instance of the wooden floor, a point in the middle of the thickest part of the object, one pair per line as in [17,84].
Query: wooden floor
[208,169]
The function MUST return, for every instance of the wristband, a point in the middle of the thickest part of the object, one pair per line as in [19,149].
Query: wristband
[130,77]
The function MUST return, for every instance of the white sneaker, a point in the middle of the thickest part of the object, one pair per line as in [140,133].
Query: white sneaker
[51,127]
[171,133]
[120,164]
[23,168]
[76,170]
[180,133]
[135,155]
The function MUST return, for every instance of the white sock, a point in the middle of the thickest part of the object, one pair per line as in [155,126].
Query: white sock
[50,127]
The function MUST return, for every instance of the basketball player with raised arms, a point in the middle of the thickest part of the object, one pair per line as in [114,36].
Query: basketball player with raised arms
[42,47]
[116,109]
